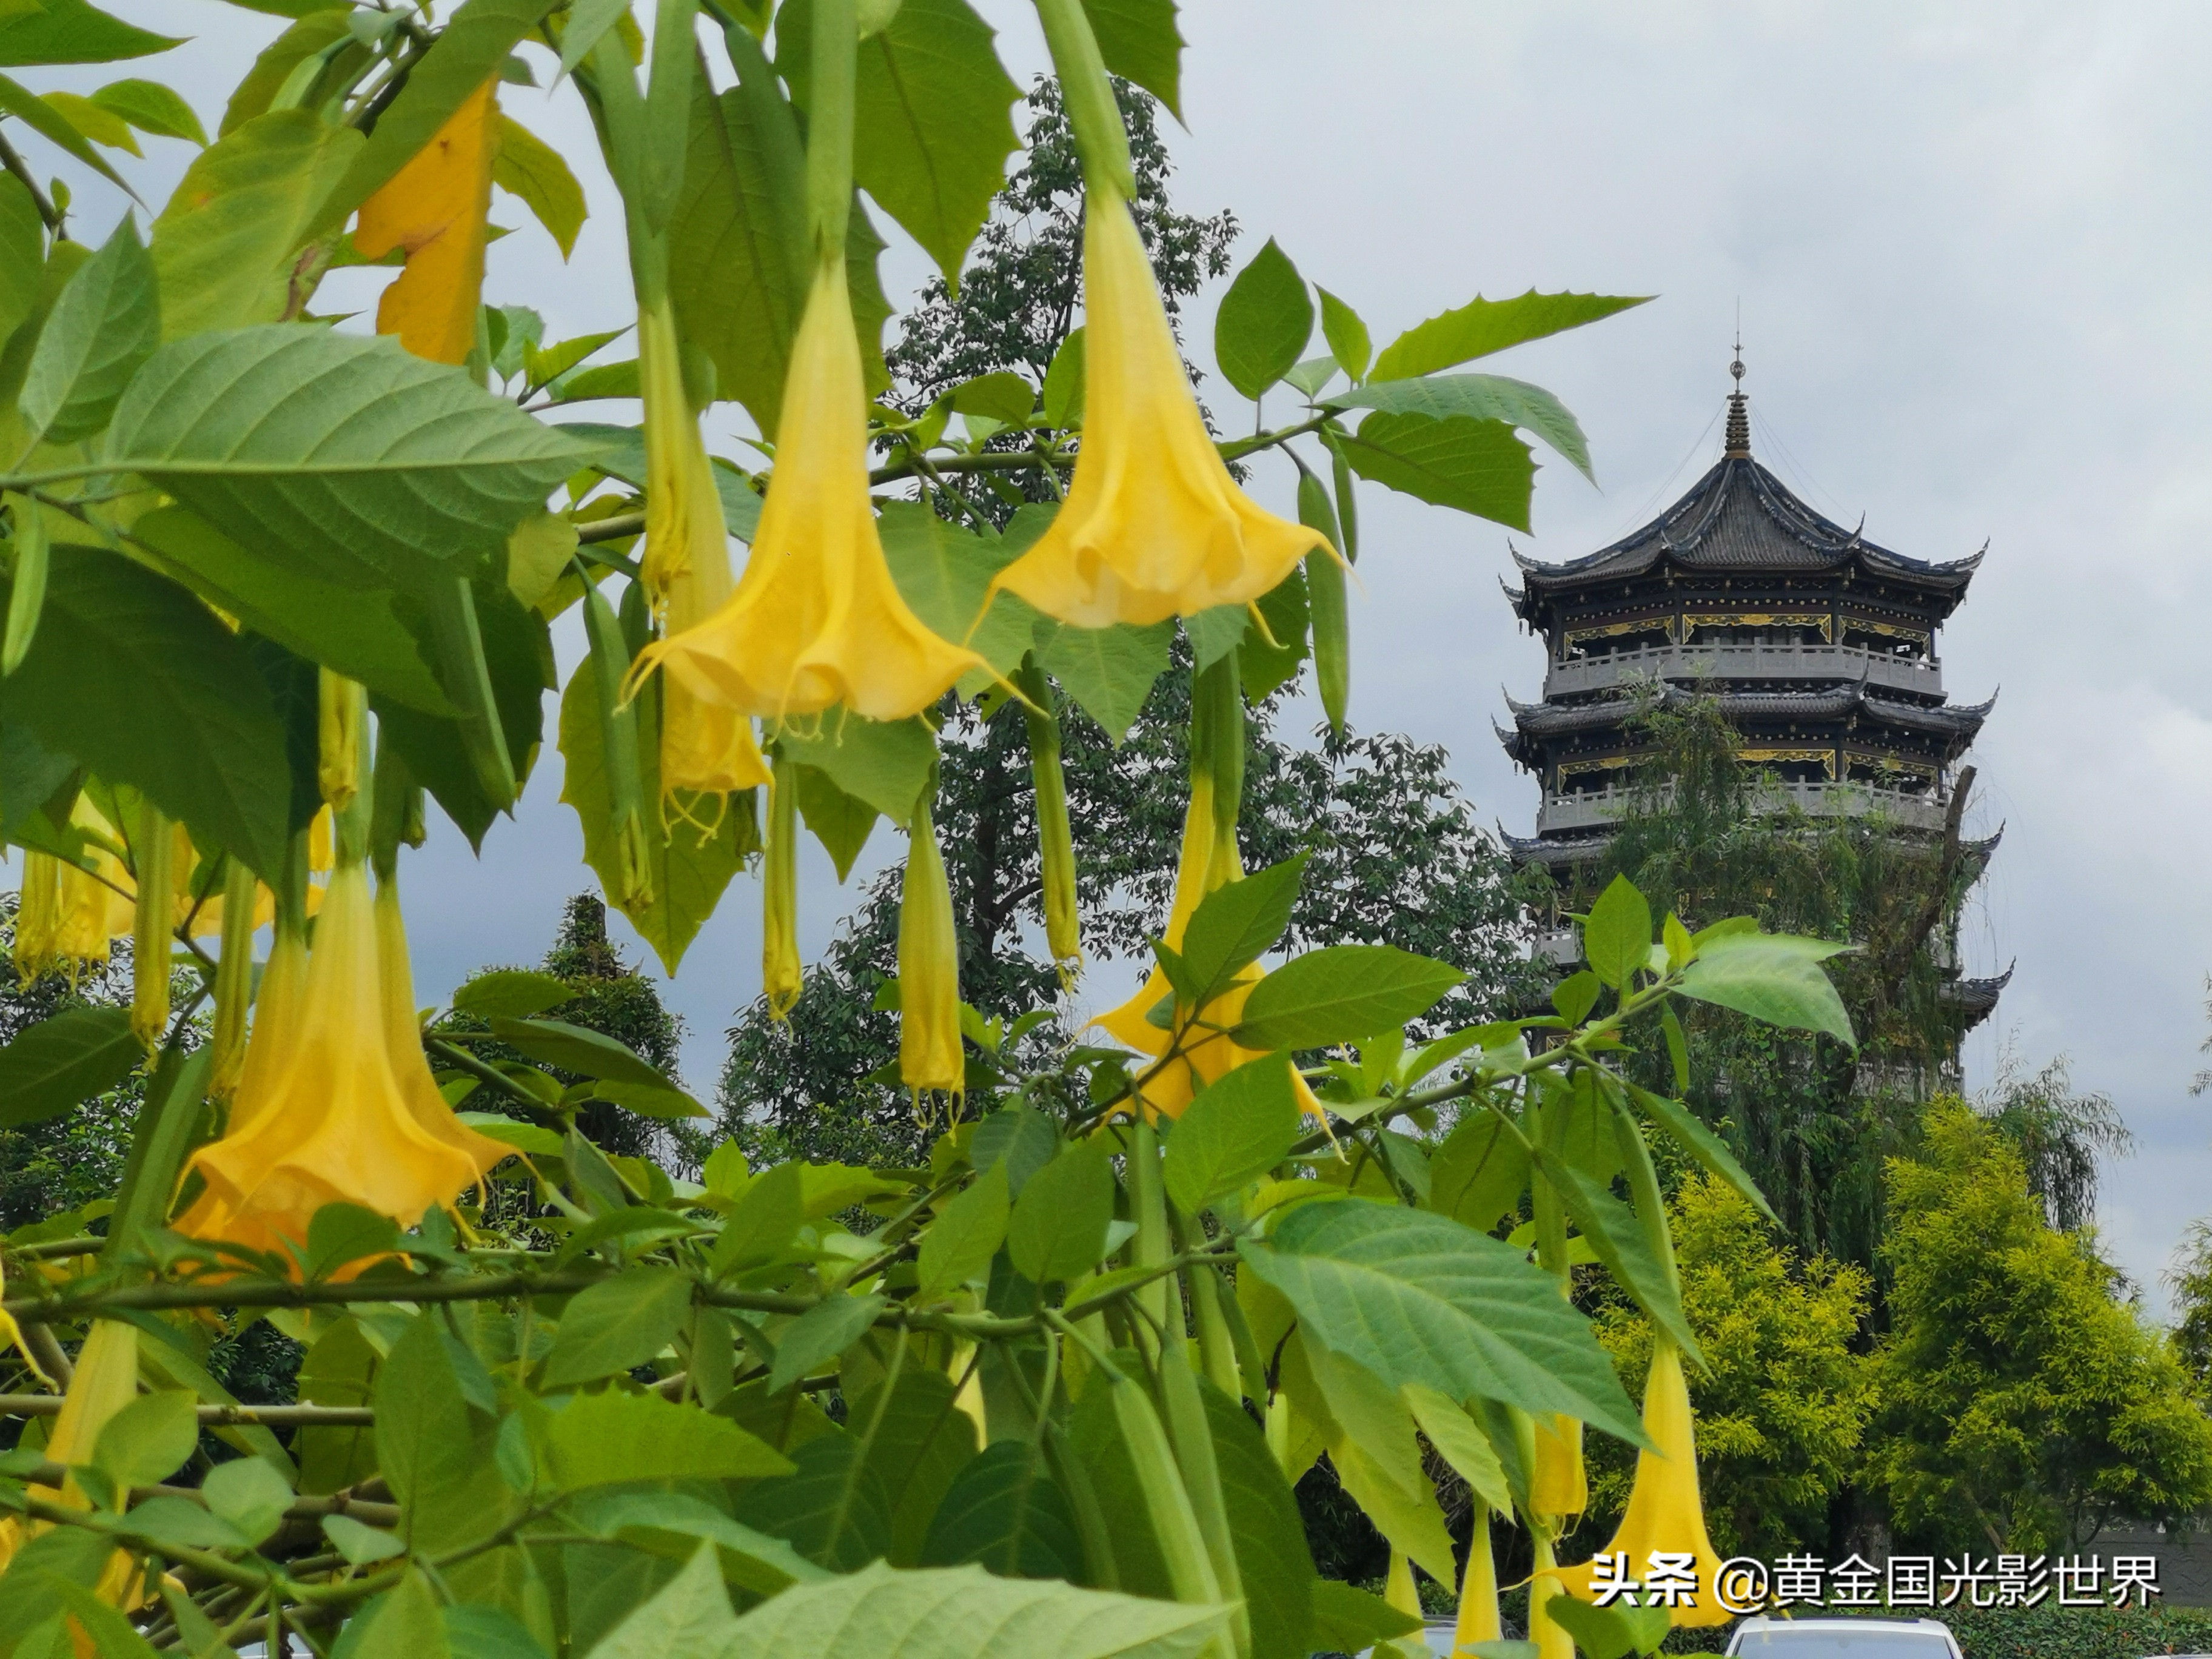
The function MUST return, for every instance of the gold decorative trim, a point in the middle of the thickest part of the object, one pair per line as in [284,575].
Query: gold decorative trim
[1921,770]
[1613,630]
[1892,630]
[1826,756]
[1575,769]
[1820,619]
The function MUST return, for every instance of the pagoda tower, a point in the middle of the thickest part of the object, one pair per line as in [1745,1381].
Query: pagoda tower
[1818,645]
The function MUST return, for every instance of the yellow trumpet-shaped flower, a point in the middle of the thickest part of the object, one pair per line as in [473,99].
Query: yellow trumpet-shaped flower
[1544,1585]
[782,978]
[930,1055]
[1153,526]
[68,913]
[105,1382]
[1478,1620]
[817,621]
[336,1101]
[1664,1512]
[707,747]
[1561,1484]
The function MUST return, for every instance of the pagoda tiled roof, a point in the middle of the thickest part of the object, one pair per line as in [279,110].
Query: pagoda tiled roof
[1546,720]
[1739,518]
[1974,999]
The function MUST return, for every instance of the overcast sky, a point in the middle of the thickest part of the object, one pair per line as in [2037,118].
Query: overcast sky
[1970,245]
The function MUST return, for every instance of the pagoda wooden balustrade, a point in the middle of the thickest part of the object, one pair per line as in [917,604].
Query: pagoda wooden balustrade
[1597,807]
[1921,678]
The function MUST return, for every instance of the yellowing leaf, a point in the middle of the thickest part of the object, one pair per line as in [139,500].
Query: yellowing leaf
[433,209]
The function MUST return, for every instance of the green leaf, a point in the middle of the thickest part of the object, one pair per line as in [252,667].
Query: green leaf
[820,1334]
[964,1235]
[1702,1143]
[469,51]
[1476,466]
[149,1439]
[1482,326]
[315,32]
[249,1494]
[542,366]
[179,1521]
[1342,994]
[932,127]
[610,1437]
[1415,1297]
[1238,923]
[945,573]
[885,763]
[1348,1620]
[226,242]
[616,1325]
[362,1545]
[531,170]
[1617,1236]
[1214,633]
[340,1233]
[767,1215]
[1617,938]
[1239,1128]
[72,32]
[112,1635]
[1063,382]
[1274,1563]
[1020,1137]
[511,992]
[1575,995]
[50,124]
[1002,396]
[687,870]
[136,679]
[433,1447]
[577,1048]
[152,107]
[1347,338]
[1310,374]
[22,255]
[923,1440]
[1005,1513]
[1265,320]
[64,1059]
[839,822]
[1058,1227]
[965,1613]
[370,466]
[1263,669]
[1610,1632]
[671,1524]
[1108,671]
[1772,977]
[1477,1177]
[1484,396]
[687,1618]
[833,1511]
[1139,42]
[1460,1441]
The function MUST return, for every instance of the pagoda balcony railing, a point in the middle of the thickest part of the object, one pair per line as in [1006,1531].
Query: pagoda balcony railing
[1595,808]
[1920,677]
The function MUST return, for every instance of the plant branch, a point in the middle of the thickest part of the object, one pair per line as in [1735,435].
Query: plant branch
[15,164]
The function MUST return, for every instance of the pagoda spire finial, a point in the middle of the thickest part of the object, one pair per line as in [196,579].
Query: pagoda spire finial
[1738,447]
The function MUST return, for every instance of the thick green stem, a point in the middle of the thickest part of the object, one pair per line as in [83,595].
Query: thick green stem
[829,107]
[152,854]
[1088,94]
[1216,1350]
[1192,1438]
[1152,1247]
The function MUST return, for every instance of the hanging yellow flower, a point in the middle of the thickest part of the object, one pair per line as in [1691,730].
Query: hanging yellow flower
[1665,1513]
[1544,1586]
[1478,1620]
[1153,526]
[336,1101]
[434,209]
[815,620]
[68,913]
[782,977]
[930,1054]
[707,747]
[1561,1485]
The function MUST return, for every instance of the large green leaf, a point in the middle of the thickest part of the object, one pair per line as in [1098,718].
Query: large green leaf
[346,454]
[50,124]
[1477,466]
[601,1439]
[1702,1143]
[944,572]
[1486,398]
[1617,939]
[22,254]
[577,1048]
[931,128]
[1239,1128]
[1415,1297]
[1342,994]
[358,634]
[72,32]
[1482,326]
[1139,42]
[612,1326]
[65,1060]
[672,1523]
[1005,1512]
[842,822]
[226,242]
[1274,1563]
[965,1613]
[311,35]
[1265,320]
[886,763]
[530,168]
[152,107]
[1772,977]
[819,1335]
[1350,1620]
[1617,1236]
[1477,1177]
[1239,922]
[833,1509]
[104,325]
[962,1237]
[921,1441]
[469,51]
[135,678]
[687,1618]
[1108,671]
[433,1447]
[689,866]
[1058,1226]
